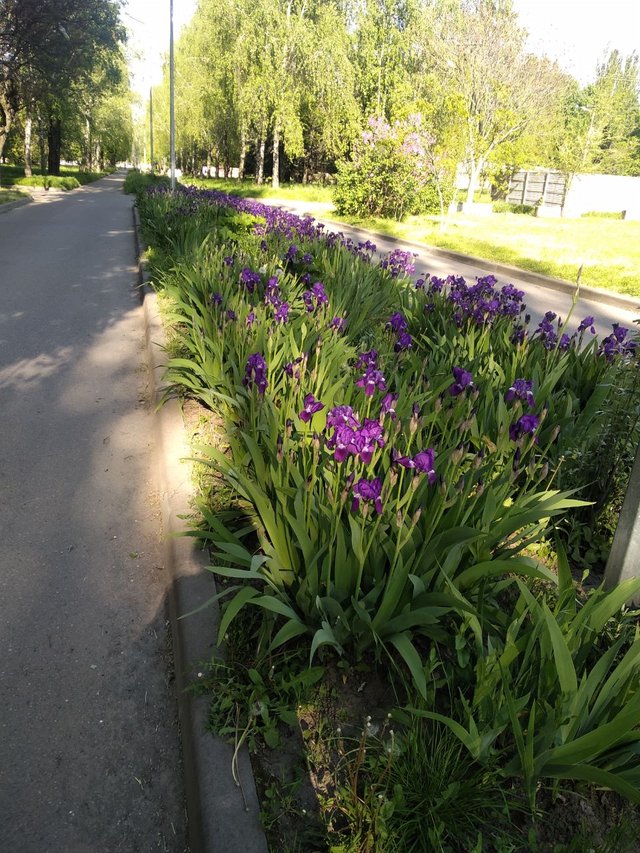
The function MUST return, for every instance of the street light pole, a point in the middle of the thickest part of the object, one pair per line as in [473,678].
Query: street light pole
[172,122]
[151,123]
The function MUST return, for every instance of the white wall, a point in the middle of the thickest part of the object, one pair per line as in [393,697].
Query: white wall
[605,194]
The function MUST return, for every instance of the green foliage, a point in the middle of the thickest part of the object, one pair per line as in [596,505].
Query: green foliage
[138,182]
[505,207]
[552,698]
[519,683]
[595,214]
[393,172]
[48,182]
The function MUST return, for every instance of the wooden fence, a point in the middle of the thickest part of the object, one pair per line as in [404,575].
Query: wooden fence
[537,189]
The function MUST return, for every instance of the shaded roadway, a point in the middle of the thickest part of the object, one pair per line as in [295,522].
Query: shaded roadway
[89,748]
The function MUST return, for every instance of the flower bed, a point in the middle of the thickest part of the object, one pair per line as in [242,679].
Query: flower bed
[395,446]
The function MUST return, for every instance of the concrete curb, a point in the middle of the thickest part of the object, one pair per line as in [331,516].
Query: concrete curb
[217,818]
[11,205]
[592,294]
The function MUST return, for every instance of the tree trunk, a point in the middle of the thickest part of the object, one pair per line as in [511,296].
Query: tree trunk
[88,146]
[9,111]
[475,170]
[54,137]
[243,154]
[275,177]
[260,161]
[28,125]
[42,145]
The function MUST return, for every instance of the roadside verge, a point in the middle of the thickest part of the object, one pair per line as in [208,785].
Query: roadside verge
[222,817]
[11,205]
[593,294]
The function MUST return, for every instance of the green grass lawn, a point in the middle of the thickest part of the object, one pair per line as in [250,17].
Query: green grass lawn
[249,189]
[607,249]
[11,176]
[11,195]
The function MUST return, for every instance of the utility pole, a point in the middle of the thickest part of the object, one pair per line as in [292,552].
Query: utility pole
[151,123]
[172,121]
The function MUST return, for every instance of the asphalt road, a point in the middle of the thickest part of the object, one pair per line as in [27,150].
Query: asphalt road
[89,748]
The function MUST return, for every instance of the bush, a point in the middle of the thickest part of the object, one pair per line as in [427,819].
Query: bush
[393,173]
[48,181]
[137,182]
[505,207]
[599,214]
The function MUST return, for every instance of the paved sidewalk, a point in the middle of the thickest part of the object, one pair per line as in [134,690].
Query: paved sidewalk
[89,749]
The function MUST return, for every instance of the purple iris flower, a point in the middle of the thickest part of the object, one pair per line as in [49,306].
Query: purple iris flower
[617,344]
[215,299]
[256,372]
[367,490]
[387,407]
[463,380]
[289,367]
[250,279]
[292,251]
[228,261]
[272,291]
[423,463]
[251,318]
[342,442]
[338,324]
[230,315]
[525,425]
[404,342]
[315,297]
[521,390]
[282,313]
[399,262]
[342,416]
[398,323]
[311,406]
[367,360]
[307,258]
[370,380]
[367,438]
[587,323]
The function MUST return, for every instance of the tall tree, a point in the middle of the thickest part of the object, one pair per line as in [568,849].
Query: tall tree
[477,49]
[54,44]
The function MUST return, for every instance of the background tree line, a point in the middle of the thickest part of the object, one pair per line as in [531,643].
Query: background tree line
[286,88]
[64,89]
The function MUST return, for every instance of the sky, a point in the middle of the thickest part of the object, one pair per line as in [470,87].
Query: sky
[576,33]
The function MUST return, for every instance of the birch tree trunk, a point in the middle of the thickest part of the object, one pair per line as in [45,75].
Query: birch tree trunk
[475,169]
[243,154]
[275,177]
[28,125]
[260,161]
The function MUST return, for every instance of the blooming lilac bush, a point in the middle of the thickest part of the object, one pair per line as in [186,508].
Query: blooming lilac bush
[392,171]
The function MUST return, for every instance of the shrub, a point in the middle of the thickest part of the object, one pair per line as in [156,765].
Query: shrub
[505,207]
[393,172]
[137,182]
[48,181]
[600,214]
